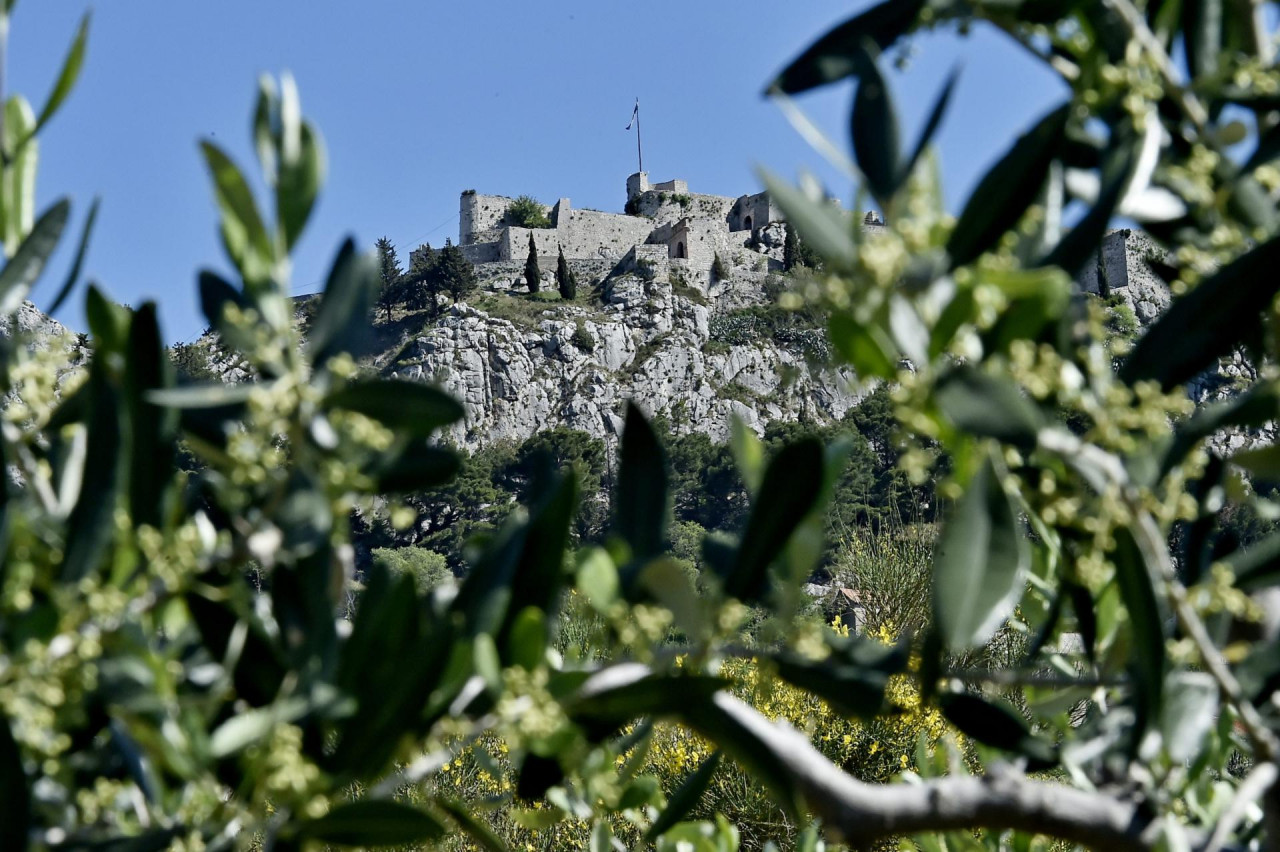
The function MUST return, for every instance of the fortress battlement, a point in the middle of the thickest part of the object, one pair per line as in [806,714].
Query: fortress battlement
[694,228]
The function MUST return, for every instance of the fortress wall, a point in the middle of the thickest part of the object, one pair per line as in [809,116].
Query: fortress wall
[479,213]
[652,256]
[503,275]
[514,245]
[487,252]
[702,239]
[757,208]
[592,234]
[662,207]
[480,217]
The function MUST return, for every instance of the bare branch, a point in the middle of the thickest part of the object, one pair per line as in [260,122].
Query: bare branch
[1004,799]
[1138,29]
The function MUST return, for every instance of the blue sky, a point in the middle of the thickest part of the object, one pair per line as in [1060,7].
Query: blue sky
[418,101]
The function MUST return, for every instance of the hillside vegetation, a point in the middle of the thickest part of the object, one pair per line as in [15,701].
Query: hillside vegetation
[1060,627]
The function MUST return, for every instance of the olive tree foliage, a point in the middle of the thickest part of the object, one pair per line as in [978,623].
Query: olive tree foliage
[176,667]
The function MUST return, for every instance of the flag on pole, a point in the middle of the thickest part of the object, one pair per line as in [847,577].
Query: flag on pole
[635,113]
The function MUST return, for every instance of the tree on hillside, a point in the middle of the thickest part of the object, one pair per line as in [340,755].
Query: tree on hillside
[566,281]
[790,249]
[798,253]
[540,459]
[532,273]
[421,281]
[391,276]
[455,274]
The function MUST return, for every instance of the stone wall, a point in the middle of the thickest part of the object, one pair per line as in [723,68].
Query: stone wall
[636,184]
[702,239]
[606,235]
[588,234]
[1121,270]
[482,252]
[514,245]
[751,212]
[509,275]
[647,259]
[665,207]
[480,217]
[479,213]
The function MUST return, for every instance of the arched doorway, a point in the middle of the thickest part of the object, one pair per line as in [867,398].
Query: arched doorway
[747,223]
[680,250]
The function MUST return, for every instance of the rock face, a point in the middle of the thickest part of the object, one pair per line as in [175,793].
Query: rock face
[648,339]
[31,320]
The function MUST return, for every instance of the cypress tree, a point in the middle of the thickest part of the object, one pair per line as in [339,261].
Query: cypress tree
[565,279]
[790,250]
[532,273]
[392,276]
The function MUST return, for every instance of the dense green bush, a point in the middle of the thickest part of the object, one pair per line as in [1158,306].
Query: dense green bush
[526,212]
[427,568]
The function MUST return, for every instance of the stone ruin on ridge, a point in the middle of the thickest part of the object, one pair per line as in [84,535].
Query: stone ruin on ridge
[665,227]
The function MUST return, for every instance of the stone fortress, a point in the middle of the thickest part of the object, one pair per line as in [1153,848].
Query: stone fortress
[665,225]
[658,327]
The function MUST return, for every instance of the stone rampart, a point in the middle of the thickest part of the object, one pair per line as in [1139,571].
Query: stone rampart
[489,252]
[666,207]
[480,217]
[514,245]
[591,234]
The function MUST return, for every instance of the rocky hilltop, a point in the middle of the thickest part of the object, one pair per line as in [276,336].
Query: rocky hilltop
[693,351]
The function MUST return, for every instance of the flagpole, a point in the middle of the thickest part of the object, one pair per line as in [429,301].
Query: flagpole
[639,149]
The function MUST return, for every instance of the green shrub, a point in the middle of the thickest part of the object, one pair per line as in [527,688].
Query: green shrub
[526,212]
[427,568]
[583,338]
[719,270]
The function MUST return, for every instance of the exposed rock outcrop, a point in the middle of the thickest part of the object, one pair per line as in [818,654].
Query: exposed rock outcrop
[650,340]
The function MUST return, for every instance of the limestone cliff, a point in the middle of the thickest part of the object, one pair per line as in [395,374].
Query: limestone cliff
[691,351]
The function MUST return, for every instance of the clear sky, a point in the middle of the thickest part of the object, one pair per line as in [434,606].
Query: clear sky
[418,101]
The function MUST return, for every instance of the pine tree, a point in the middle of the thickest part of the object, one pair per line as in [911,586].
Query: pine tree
[454,273]
[565,279]
[790,250]
[390,291]
[532,273]
[420,282]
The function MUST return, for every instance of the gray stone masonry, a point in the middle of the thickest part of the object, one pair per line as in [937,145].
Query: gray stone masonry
[693,227]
